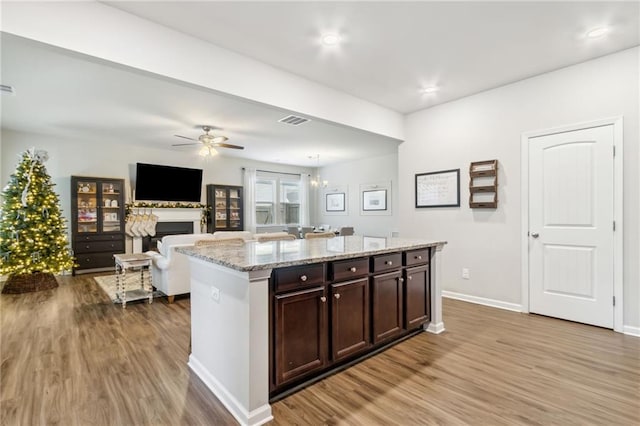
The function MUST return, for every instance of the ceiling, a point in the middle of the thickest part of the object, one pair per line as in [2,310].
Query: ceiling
[389,51]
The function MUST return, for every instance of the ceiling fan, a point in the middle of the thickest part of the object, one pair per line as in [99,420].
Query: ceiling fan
[209,141]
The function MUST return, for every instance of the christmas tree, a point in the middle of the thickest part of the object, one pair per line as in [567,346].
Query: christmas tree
[33,239]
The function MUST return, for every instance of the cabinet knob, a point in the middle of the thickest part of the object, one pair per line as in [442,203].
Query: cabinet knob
[87,246]
[419,257]
[388,262]
[303,278]
[400,280]
[323,299]
[337,295]
[353,269]
[410,277]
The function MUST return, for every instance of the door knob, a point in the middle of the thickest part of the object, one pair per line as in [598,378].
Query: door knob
[535,234]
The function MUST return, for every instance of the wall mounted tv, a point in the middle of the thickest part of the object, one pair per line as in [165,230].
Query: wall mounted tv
[165,183]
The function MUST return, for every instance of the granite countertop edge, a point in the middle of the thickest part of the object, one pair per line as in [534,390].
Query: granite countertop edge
[200,253]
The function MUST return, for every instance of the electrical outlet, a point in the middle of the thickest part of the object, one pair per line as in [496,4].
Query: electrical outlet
[465,273]
[215,294]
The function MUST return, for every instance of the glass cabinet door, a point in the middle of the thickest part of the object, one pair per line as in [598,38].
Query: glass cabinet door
[87,206]
[234,209]
[220,208]
[111,208]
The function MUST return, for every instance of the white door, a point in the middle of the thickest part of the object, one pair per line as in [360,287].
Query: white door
[571,233]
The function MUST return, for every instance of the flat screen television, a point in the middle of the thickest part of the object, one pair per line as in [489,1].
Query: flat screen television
[166,183]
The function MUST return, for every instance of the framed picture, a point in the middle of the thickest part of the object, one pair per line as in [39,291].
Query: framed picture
[374,200]
[335,202]
[438,189]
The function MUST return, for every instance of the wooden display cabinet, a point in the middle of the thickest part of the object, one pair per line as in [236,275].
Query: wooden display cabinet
[97,221]
[226,208]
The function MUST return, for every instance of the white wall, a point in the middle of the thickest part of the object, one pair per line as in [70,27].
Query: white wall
[84,158]
[489,126]
[351,175]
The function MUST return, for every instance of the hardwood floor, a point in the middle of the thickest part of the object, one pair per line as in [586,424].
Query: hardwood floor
[71,357]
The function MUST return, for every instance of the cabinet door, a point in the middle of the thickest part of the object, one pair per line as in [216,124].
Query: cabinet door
[417,296]
[111,202]
[349,318]
[220,204]
[387,306]
[235,209]
[85,219]
[300,333]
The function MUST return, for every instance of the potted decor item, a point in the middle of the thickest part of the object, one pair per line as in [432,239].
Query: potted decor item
[33,241]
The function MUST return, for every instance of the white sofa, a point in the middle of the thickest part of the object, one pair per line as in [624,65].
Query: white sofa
[170,269]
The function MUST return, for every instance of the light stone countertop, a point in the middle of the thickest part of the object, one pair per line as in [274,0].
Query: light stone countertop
[276,254]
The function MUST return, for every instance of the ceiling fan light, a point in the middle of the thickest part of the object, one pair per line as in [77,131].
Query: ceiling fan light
[204,151]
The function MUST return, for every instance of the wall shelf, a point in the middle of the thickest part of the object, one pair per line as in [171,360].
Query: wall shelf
[483,184]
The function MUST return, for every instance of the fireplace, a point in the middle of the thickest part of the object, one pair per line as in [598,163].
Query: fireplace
[166,228]
[167,220]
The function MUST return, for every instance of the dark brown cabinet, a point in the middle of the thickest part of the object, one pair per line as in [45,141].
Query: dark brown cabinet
[97,221]
[417,296]
[226,208]
[349,318]
[387,306]
[324,315]
[300,335]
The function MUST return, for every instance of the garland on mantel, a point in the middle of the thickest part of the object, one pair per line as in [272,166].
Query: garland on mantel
[128,208]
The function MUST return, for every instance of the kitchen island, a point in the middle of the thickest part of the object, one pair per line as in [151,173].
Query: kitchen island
[251,305]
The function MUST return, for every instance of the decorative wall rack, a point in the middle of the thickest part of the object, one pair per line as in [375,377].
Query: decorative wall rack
[483,184]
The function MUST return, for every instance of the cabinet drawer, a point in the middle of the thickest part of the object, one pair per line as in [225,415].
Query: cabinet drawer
[297,277]
[99,246]
[350,268]
[94,260]
[416,257]
[99,237]
[387,262]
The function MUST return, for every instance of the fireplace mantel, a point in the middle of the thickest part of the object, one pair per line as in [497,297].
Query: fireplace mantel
[171,215]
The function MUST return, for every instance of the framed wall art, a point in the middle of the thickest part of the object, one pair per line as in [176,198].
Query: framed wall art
[334,202]
[374,200]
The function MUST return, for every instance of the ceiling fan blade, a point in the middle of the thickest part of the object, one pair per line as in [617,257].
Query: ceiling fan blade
[227,145]
[184,137]
[185,144]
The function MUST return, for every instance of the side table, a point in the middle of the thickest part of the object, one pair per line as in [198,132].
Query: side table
[134,263]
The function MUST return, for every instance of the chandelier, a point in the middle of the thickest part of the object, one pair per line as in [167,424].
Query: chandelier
[317,180]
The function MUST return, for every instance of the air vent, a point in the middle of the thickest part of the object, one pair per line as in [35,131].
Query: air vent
[293,120]
[9,90]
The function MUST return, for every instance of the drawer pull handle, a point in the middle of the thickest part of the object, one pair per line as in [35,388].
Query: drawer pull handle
[337,295]
[419,257]
[303,278]
[353,269]
[388,262]
[323,299]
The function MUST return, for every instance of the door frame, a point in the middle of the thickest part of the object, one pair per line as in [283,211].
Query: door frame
[618,247]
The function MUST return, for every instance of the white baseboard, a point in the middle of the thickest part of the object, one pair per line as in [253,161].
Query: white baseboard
[256,417]
[483,301]
[631,331]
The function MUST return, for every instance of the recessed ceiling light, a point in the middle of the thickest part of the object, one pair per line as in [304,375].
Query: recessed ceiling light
[330,39]
[597,32]
[430,89]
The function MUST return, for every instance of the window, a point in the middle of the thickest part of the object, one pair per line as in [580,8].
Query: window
[277,199]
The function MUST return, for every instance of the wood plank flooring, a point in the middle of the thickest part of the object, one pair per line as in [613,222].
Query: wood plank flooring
[71,357]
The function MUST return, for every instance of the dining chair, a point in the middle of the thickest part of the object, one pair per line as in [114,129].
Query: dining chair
[220,242]
[312,235]
[265,238]
[346,230]
[293,230]
[305,230]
